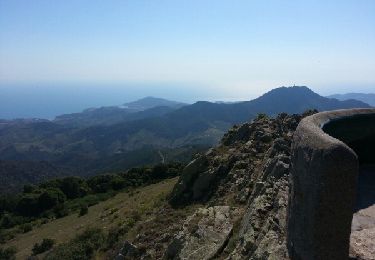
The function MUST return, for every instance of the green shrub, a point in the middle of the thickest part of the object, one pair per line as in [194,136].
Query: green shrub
[29,188]
[80,248]
[9,220]
[118,183]
[74,187]
[50,198]
[28,205]
[44,246]
[27,227]
[60,197]
[261,116]
[113,237]
[8,253]
[84,210]
[7,234]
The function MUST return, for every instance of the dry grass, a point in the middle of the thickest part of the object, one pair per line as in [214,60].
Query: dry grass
[107,214]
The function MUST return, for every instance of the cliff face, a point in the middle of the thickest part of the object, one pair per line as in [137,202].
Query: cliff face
[240,193]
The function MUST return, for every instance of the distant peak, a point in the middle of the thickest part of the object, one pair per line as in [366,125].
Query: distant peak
[291,89]
[150,102]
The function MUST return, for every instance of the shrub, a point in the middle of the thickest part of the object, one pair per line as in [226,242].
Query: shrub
[29,188]
[50,198]
[118,183]
[74,187]
[113,237]
[84,210]
[101,183]
[8,253]
[28,205]
[27,227]
[44,246]
[262,116]
[7,203]
[60,211]
[9,220]
[80,248]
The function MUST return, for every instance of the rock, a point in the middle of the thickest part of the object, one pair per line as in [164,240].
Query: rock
[204,234]
[129,251]
[120,257]
[182,192]
[249,169]
[276,167]
[362,244]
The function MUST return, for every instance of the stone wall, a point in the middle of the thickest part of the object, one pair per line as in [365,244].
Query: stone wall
[323,181]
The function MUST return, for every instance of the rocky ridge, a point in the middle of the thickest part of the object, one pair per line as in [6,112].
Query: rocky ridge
[240,193]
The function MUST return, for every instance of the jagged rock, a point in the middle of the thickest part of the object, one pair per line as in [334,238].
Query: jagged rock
[130,251]
[204,234]
[249,171]
[182,192]
[276,167]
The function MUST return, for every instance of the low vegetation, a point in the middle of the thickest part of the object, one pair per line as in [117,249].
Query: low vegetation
[110,221]
[39,204]
[43,246]
[8,253]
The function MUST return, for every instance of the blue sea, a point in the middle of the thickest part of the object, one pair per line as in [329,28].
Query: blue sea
[49,100]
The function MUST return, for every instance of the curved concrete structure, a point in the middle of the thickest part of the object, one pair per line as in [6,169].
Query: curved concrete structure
[323,181]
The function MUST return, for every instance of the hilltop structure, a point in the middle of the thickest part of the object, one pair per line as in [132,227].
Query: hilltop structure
[331,151]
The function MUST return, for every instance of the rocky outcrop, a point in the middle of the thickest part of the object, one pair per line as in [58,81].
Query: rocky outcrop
[249,171]
[130,251]
[230,166]
[204,234]
[243,198]
[263,228]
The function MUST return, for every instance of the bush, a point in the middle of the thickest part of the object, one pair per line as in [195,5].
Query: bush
[118,183]
[80,248]
[29,188]
[27,227]
[9,220]
[50,198]
[44,246]
[60,211]
[28,205]
[8,253]
[113,237]
[74,187]
[7,203]
[84,210]
[262,116]
[101,183]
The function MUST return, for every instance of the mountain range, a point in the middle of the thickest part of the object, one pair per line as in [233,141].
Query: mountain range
[367,98]
[143,132]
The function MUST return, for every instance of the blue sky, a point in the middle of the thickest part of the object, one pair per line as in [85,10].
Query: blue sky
[217,49]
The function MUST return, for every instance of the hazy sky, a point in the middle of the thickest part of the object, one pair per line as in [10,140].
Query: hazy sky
[231,49]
